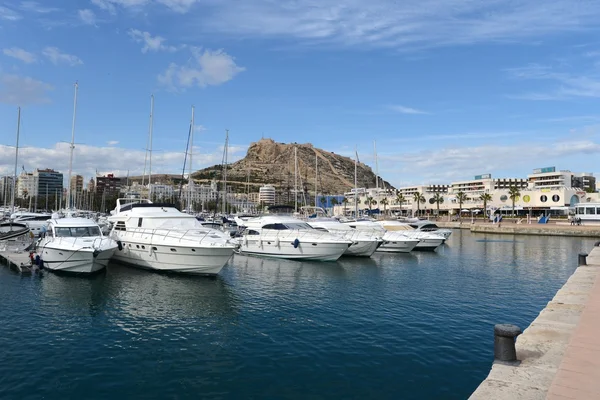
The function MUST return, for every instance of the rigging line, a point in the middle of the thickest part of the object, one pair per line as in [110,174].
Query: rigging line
[184,161]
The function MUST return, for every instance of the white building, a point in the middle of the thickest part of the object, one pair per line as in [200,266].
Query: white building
[27,185]
[266,195]
[6,189]
[550,178]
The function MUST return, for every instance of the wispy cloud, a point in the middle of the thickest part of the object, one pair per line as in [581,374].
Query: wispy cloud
[468,136]
[58,57]
[406,110]
[207,68]
[8,14]
[106,5]
[573,118]
[87,16]
[567,85]
[34,6]
[150,43]
[112,142]
[20,54]
[23,90]
[179,6]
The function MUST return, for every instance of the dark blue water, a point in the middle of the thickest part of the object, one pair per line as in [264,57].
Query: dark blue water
[408,326]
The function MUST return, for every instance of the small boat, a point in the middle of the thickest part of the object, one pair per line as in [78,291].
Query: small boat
[14,236]
[393,242]
[75,245]
[428,226]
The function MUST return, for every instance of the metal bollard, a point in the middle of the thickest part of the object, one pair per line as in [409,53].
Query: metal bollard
[504,342]
[582,259]
[597,244]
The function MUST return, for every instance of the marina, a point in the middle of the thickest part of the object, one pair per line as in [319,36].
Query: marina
[395,325]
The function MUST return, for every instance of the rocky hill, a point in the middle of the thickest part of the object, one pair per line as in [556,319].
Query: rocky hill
[270,162]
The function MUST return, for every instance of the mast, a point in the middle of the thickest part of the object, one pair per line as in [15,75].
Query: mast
[295,179]
[376,168]
[225,151]
[14,181]
[72,148]
[356,184]
[150,147]
[190,180]
[316,178]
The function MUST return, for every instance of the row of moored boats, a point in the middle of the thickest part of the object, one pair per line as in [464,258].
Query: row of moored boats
[158,236]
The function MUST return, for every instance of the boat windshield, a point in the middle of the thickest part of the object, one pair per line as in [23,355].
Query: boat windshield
[78,231]
[185,223]
[288,226]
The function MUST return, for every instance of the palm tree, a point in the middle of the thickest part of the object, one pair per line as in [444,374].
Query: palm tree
[323,201]
[438,198]
[514,194]
[418,198]
[461,196]
[400,199]
[369,202]
[485,197]
[334,202]
[385,203]
[345,203]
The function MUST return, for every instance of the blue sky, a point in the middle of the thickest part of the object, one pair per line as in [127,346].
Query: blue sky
[447,89]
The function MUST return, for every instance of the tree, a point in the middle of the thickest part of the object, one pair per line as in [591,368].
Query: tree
[514,194]
[400,199]
[369,202]
[345,203]
[485,197]
[461,197]
[334,202]
[418,198]
[385,202]
[323,201]
[438,198]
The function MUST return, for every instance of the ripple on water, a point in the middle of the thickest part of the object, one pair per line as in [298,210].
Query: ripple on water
[410,326]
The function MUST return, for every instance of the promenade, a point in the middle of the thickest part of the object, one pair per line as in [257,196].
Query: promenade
[560,228]
[559,352]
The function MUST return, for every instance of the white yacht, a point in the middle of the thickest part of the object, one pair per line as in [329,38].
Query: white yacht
[281,236]
[35,221]
[14,236]
[75,245]
[428,226]
[364,243]
[393,242]
[427,240]
[160,237]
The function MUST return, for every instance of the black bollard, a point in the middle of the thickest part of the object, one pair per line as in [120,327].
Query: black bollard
[597,244]
[582,259]
[504,342]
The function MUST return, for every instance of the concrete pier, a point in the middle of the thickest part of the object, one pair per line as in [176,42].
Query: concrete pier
[560,350]
[18,260]
[512,228]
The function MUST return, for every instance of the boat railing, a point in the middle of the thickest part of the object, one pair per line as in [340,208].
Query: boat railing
[176,234]
[299,234]
[82,241]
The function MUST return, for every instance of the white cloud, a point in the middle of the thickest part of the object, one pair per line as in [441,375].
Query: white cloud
[57,57]
[87,159]
[567,84]
[8,14]
[180,6]
[151,43]
[406,110]
[112,142]
[87,16]
[20,54]
[23,90]
[199,128]
[208,68]
[106,5]
[34,6]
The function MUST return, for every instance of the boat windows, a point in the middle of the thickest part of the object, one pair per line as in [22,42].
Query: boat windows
[120,226]
[278,227]
[590,210]
[298,225]
[140,222]
[80,231]
[252,232]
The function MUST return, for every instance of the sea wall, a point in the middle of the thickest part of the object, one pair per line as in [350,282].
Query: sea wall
[542,345]
[512,228]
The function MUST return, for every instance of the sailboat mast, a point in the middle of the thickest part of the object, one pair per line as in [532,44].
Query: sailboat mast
[72,148]
[295,179]
[316,176]
[225,172]
[14,180]
[150,147]
[356,184]
[376,168]
[190,180]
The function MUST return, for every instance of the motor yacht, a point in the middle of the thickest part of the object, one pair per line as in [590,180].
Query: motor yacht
[393,242]
[279,236]
[427,240]
[364,243]
[159,237]
[15,236]
[428,226]
[74,245]
[35,221]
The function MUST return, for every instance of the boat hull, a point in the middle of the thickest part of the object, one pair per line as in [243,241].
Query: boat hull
[196,260]
[398,246]
[363,248]
[429,244]
[323,251]
[82,261]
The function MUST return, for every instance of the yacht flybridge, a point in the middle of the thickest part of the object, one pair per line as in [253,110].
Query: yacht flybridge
[159,237]
[279,236]
[75,245]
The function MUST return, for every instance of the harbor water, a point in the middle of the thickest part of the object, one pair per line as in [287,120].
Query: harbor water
[395,326]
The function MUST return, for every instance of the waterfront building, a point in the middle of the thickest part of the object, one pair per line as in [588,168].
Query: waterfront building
[109,185]
[48,182]
[26,185]
[6,189]
[550,178]
[266,195]
[77,185]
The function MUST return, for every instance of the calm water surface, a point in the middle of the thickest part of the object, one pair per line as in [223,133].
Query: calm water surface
[406,326]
